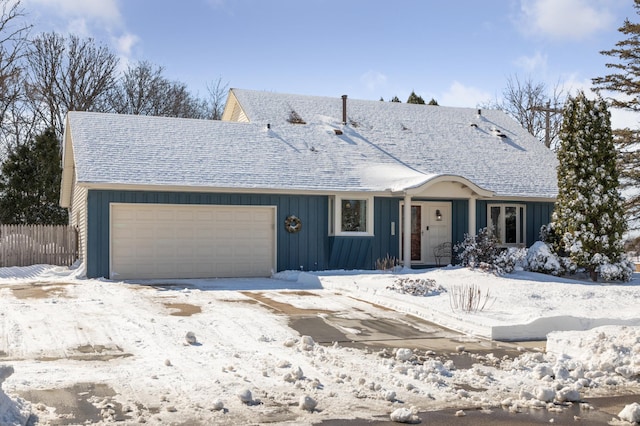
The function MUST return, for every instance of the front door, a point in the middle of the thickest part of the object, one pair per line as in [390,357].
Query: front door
[430,227]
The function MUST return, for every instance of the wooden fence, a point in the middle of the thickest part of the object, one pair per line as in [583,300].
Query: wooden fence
[24,245]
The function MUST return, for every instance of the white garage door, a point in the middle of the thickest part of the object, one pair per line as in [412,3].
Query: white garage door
[191,241]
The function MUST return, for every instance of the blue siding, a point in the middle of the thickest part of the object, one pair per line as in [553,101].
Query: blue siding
[538,214]
[310,249]
[363,252]
[306,249]
[350,252]
[387,211]
[460,220]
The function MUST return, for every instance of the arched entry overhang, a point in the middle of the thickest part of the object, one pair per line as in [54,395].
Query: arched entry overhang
[440,186]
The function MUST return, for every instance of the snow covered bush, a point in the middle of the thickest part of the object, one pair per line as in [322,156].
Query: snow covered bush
[478,251]
[482,251]
[620,271]
[417,286]
[510,259]
[540,258]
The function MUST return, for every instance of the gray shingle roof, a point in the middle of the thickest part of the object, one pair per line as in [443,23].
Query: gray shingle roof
[384,146]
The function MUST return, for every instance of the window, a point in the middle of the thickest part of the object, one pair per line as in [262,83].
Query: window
[507,222]
[350,215]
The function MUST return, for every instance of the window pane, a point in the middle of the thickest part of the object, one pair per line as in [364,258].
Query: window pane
[496,222]
[510,225]
[354,215]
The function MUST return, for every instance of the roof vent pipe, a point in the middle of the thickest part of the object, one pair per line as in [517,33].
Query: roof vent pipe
[344,109]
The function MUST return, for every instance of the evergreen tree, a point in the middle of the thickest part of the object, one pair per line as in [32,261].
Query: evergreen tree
[30,183]
[415,99]
[625,81]
[433,102]
[588,216]
[395,99]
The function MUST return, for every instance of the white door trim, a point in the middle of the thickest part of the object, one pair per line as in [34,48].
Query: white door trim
[427,222]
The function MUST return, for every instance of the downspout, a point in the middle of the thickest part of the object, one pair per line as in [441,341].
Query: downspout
[406,229]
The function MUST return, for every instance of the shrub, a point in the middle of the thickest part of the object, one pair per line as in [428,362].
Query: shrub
[469,298]
[417,286]
[510,259]
[387,263]
[478,250]
[541,258]
[621,271]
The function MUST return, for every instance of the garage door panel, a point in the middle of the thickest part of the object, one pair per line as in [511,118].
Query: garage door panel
[191,241]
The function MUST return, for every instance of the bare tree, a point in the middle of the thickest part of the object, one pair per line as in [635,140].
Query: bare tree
[143,90]
[69,75]
[217,98]
[138,91]
[13,41]
[533,107]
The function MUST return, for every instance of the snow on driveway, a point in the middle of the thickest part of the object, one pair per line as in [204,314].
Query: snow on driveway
[203,352]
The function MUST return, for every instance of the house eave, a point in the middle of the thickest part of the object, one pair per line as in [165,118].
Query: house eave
[432,180]
[225,190]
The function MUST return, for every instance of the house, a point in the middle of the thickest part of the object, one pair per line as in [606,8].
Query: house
[297,182]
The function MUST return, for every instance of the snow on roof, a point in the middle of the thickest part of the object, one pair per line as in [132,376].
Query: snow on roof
[384,147]
[490,149]
[143,150]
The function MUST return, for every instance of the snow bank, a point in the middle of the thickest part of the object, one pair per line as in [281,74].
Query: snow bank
[631,413]
[525,305]
[12,412]
[607,349]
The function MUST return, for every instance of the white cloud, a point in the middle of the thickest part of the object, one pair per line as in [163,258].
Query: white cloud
[102,10]
[619,118]
[78,27]
[460,95]
[564,19]
[531,64]
[373,80]
[125,43]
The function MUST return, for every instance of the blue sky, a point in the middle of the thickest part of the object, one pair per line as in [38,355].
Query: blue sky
[459,52]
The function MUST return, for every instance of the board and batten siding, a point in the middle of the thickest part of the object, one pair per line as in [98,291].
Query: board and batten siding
[459,223]
[362,252]
[538,214]
[304,250]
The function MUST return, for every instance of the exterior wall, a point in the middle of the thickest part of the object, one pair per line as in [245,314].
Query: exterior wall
[363,252]
[310,249]
[538,214]
[306,249]
[78,219]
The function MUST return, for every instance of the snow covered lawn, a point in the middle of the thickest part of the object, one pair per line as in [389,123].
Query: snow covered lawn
[208,352]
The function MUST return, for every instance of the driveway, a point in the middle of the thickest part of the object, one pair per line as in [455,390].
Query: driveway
[91,351]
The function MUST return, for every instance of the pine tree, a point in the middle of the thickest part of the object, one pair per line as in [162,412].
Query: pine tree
[30,183]
[433,102]
[625,81]
[395,99]
[588,215]
[415,99]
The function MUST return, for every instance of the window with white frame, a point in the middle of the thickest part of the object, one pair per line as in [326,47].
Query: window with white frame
[508,223]
[351,215]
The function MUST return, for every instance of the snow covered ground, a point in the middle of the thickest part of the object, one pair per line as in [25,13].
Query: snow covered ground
[209,352]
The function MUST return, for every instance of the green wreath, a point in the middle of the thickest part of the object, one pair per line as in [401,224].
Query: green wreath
[292,224]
